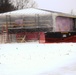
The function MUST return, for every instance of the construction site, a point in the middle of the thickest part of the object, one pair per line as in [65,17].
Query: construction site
[31,25]
[19,27]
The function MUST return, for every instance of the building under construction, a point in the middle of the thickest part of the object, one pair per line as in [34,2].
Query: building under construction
[37,25]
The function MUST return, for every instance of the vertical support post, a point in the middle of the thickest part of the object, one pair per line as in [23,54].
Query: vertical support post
[7,28]
[42,37]
[10,19]
[37,22]
[38,27]
[54,23]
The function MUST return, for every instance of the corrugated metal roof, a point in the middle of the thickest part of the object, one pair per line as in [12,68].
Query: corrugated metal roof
[33,11]
[59,13]
[29,11]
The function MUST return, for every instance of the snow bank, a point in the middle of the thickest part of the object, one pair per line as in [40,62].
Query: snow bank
[36,59]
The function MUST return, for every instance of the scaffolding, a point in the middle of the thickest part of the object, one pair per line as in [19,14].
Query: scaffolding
[16,28]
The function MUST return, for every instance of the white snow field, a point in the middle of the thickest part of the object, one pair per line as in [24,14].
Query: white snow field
[38,59]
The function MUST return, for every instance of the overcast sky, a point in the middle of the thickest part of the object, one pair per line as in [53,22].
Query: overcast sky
[57,5]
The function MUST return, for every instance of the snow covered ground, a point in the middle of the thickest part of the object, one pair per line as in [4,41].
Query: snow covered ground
[38,59]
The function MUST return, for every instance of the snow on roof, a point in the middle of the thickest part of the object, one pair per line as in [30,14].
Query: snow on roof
[28,11]
[35,11]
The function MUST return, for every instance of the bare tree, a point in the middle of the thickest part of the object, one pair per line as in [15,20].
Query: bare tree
[6,6]
[20,4]
[71,11]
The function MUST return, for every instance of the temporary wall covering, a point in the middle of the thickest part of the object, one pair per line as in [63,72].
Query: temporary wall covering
[29,18]
[64,24]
